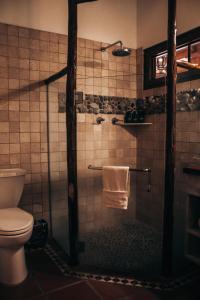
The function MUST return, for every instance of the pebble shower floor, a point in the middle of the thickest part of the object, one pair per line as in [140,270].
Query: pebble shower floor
[129,248]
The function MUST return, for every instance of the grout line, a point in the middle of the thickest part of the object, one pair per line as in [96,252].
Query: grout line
[46,293]
[94,290]
[38,284]
[64,287]
[32,276]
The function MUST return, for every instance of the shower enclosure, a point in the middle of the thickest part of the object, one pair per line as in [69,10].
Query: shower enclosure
[114,241]
[111,241]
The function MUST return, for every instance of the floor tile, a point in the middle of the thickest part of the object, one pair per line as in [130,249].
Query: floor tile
[80,291]
[51,281]
[46,272]
[46,282]
[39,261]
[187,292]
[111,291]
[42,297]
[25,290]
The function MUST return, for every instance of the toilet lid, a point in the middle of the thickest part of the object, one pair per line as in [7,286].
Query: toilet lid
[14,221]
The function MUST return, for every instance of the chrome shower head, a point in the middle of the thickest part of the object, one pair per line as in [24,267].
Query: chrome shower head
[120,52]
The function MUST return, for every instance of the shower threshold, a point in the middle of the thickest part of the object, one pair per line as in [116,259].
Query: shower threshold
[59,258]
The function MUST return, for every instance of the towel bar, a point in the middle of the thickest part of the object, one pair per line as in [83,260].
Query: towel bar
[146,170]
[130,169]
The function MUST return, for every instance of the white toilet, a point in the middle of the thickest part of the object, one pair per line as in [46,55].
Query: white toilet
[15,227]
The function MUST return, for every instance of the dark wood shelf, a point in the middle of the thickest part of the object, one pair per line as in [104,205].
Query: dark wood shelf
[193,170]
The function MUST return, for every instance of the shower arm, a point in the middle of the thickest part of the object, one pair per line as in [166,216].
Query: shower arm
[105,48]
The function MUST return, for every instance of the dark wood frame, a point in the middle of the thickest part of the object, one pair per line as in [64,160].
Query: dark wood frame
[71,125]
[56,76]
[84,1]
[185,39]
[170,145]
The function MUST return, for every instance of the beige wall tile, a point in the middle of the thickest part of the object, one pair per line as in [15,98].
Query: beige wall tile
[14,148]
[4,127]
[4,149]
[4,159]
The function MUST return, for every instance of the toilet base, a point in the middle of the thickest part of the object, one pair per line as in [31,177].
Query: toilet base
[12,266]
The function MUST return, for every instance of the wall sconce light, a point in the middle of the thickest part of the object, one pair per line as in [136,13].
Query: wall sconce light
[161,64]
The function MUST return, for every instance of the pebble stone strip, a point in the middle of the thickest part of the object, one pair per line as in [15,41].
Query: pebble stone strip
[162,286]
[186,100]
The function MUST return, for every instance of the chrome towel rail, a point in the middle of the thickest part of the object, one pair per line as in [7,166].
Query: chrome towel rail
[145,170]
[130,169]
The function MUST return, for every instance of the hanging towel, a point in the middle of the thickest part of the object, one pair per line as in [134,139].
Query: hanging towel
[116,186]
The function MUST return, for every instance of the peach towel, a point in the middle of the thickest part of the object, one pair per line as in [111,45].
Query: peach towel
[116,186]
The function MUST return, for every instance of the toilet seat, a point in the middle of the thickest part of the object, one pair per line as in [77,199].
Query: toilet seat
[14,221]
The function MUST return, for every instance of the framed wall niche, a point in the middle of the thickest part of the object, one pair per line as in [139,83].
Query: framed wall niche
[188,49]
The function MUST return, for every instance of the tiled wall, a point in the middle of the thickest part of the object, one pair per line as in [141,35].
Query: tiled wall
[27,57]
[97,74]
[98,145]
[101,73]
[150,154]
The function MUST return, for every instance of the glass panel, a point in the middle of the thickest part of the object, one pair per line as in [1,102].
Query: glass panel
[116,240]
[195,53]
[58,163]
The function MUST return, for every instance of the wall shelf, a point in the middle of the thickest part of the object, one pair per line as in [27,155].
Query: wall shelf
[121,123]
[193,170]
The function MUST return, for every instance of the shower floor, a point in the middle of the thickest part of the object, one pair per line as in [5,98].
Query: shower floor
[129,249]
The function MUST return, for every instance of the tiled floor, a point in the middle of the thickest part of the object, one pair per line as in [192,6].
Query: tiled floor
[45,281]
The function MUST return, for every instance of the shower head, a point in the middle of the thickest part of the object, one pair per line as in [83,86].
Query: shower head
[120,52]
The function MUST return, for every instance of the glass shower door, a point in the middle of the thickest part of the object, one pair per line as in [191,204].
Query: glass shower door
[120,241]
[58,163]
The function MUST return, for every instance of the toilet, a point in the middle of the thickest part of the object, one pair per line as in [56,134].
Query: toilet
[16,227]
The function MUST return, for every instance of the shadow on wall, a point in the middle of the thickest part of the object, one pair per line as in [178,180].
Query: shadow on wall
[23,90]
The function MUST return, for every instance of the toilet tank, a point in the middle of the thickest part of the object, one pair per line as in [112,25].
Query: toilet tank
[11,187]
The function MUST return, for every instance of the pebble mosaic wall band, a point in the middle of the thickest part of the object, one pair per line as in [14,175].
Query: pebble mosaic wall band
[188,100]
